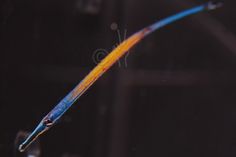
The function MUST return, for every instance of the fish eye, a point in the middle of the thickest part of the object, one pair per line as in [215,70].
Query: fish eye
[48,122]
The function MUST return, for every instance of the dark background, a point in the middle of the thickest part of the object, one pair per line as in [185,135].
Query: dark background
[173,95]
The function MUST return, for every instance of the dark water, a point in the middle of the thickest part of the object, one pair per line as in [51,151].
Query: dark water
[174,94]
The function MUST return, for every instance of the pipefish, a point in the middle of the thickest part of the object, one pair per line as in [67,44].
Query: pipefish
[55,114]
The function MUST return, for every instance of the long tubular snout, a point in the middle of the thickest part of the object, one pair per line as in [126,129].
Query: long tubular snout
[33,136]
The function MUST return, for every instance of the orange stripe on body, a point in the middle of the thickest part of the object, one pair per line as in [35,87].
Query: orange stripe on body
[106,63]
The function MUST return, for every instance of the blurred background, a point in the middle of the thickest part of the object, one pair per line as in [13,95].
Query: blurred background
[174,94]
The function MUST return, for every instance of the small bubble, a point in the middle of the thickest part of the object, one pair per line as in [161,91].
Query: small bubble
[114,26]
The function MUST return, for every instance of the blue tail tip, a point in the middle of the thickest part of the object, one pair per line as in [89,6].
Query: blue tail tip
[213,5]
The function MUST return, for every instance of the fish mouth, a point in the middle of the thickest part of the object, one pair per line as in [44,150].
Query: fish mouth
[41,128]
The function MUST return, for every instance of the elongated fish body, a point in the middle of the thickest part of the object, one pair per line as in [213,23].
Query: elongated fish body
[55,114]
